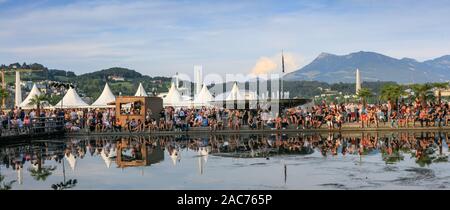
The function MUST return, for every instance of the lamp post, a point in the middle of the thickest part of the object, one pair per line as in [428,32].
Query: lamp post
[65,184]
[60,85]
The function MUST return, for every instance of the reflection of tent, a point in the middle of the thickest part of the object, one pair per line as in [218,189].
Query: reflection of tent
[97,151]
[26,103]
[173,97]
[175,156]
[105,98]
[106,158]
[204,97]
[112,152]
[72,161]
[71,100]
[140,91]
[203,151]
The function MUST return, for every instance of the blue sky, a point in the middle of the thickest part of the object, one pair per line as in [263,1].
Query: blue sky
[164,37]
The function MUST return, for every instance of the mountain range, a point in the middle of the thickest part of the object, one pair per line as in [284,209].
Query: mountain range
[373,67]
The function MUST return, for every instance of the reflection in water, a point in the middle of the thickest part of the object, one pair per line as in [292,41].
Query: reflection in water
[132,153]
[45,157]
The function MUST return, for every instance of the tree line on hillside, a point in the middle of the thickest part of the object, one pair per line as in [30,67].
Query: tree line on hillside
[91,84]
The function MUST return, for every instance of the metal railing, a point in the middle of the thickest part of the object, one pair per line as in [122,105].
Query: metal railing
[39,125]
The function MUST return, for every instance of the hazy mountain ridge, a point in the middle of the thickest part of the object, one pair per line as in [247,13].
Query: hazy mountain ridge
[374,67]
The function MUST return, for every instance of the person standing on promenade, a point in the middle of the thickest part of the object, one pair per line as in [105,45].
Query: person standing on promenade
[393,119]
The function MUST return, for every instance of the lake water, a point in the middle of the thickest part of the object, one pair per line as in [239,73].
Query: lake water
[399,160]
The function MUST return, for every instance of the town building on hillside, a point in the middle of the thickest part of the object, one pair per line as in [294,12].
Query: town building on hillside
[444,93]
[116,78]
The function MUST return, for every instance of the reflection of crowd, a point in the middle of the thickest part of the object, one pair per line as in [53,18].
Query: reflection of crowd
[425,146]
[17,157]
[420,145]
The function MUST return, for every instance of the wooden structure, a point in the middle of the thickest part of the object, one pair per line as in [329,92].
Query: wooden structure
[138,107]
[143,154]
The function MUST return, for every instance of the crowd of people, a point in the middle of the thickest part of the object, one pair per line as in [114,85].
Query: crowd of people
[320,115]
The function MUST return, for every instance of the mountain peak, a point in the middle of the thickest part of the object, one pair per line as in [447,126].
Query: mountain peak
[324,55]
[368,53]
[375,66]
[445,57]
[409,60]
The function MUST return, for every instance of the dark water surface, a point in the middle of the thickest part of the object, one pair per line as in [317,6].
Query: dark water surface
[399,160]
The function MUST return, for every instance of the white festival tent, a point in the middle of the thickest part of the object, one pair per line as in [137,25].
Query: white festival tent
[204,97]
[105,98]
[140,91]
[106,158]
[173,97]
[34,92]
[71,100]
[235,94]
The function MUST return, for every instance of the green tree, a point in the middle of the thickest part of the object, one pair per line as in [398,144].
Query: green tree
[364,93]
[38,100]
[391,93]
[4,94]
[440,86]
[423,92]
[54,99]
[41,172]
[5,185]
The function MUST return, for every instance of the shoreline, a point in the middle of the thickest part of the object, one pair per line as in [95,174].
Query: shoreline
[206,131]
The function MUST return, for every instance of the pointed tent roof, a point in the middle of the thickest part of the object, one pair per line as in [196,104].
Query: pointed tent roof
[71,100]
[72,161]
[106,97]
[112,153]
[203,151]
[175,156]
[204,97]
[173,96]
[106,159]
[140,91]
[26,103]
[235,93]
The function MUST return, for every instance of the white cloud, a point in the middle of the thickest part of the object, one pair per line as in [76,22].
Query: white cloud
[268,65]
[164,37]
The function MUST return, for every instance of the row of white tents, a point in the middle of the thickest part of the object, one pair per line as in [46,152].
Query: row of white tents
[174,98]
[204,97]
[72,100]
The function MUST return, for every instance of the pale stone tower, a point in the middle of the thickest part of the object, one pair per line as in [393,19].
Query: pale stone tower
[198,78]
[18,96]
[358,81]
